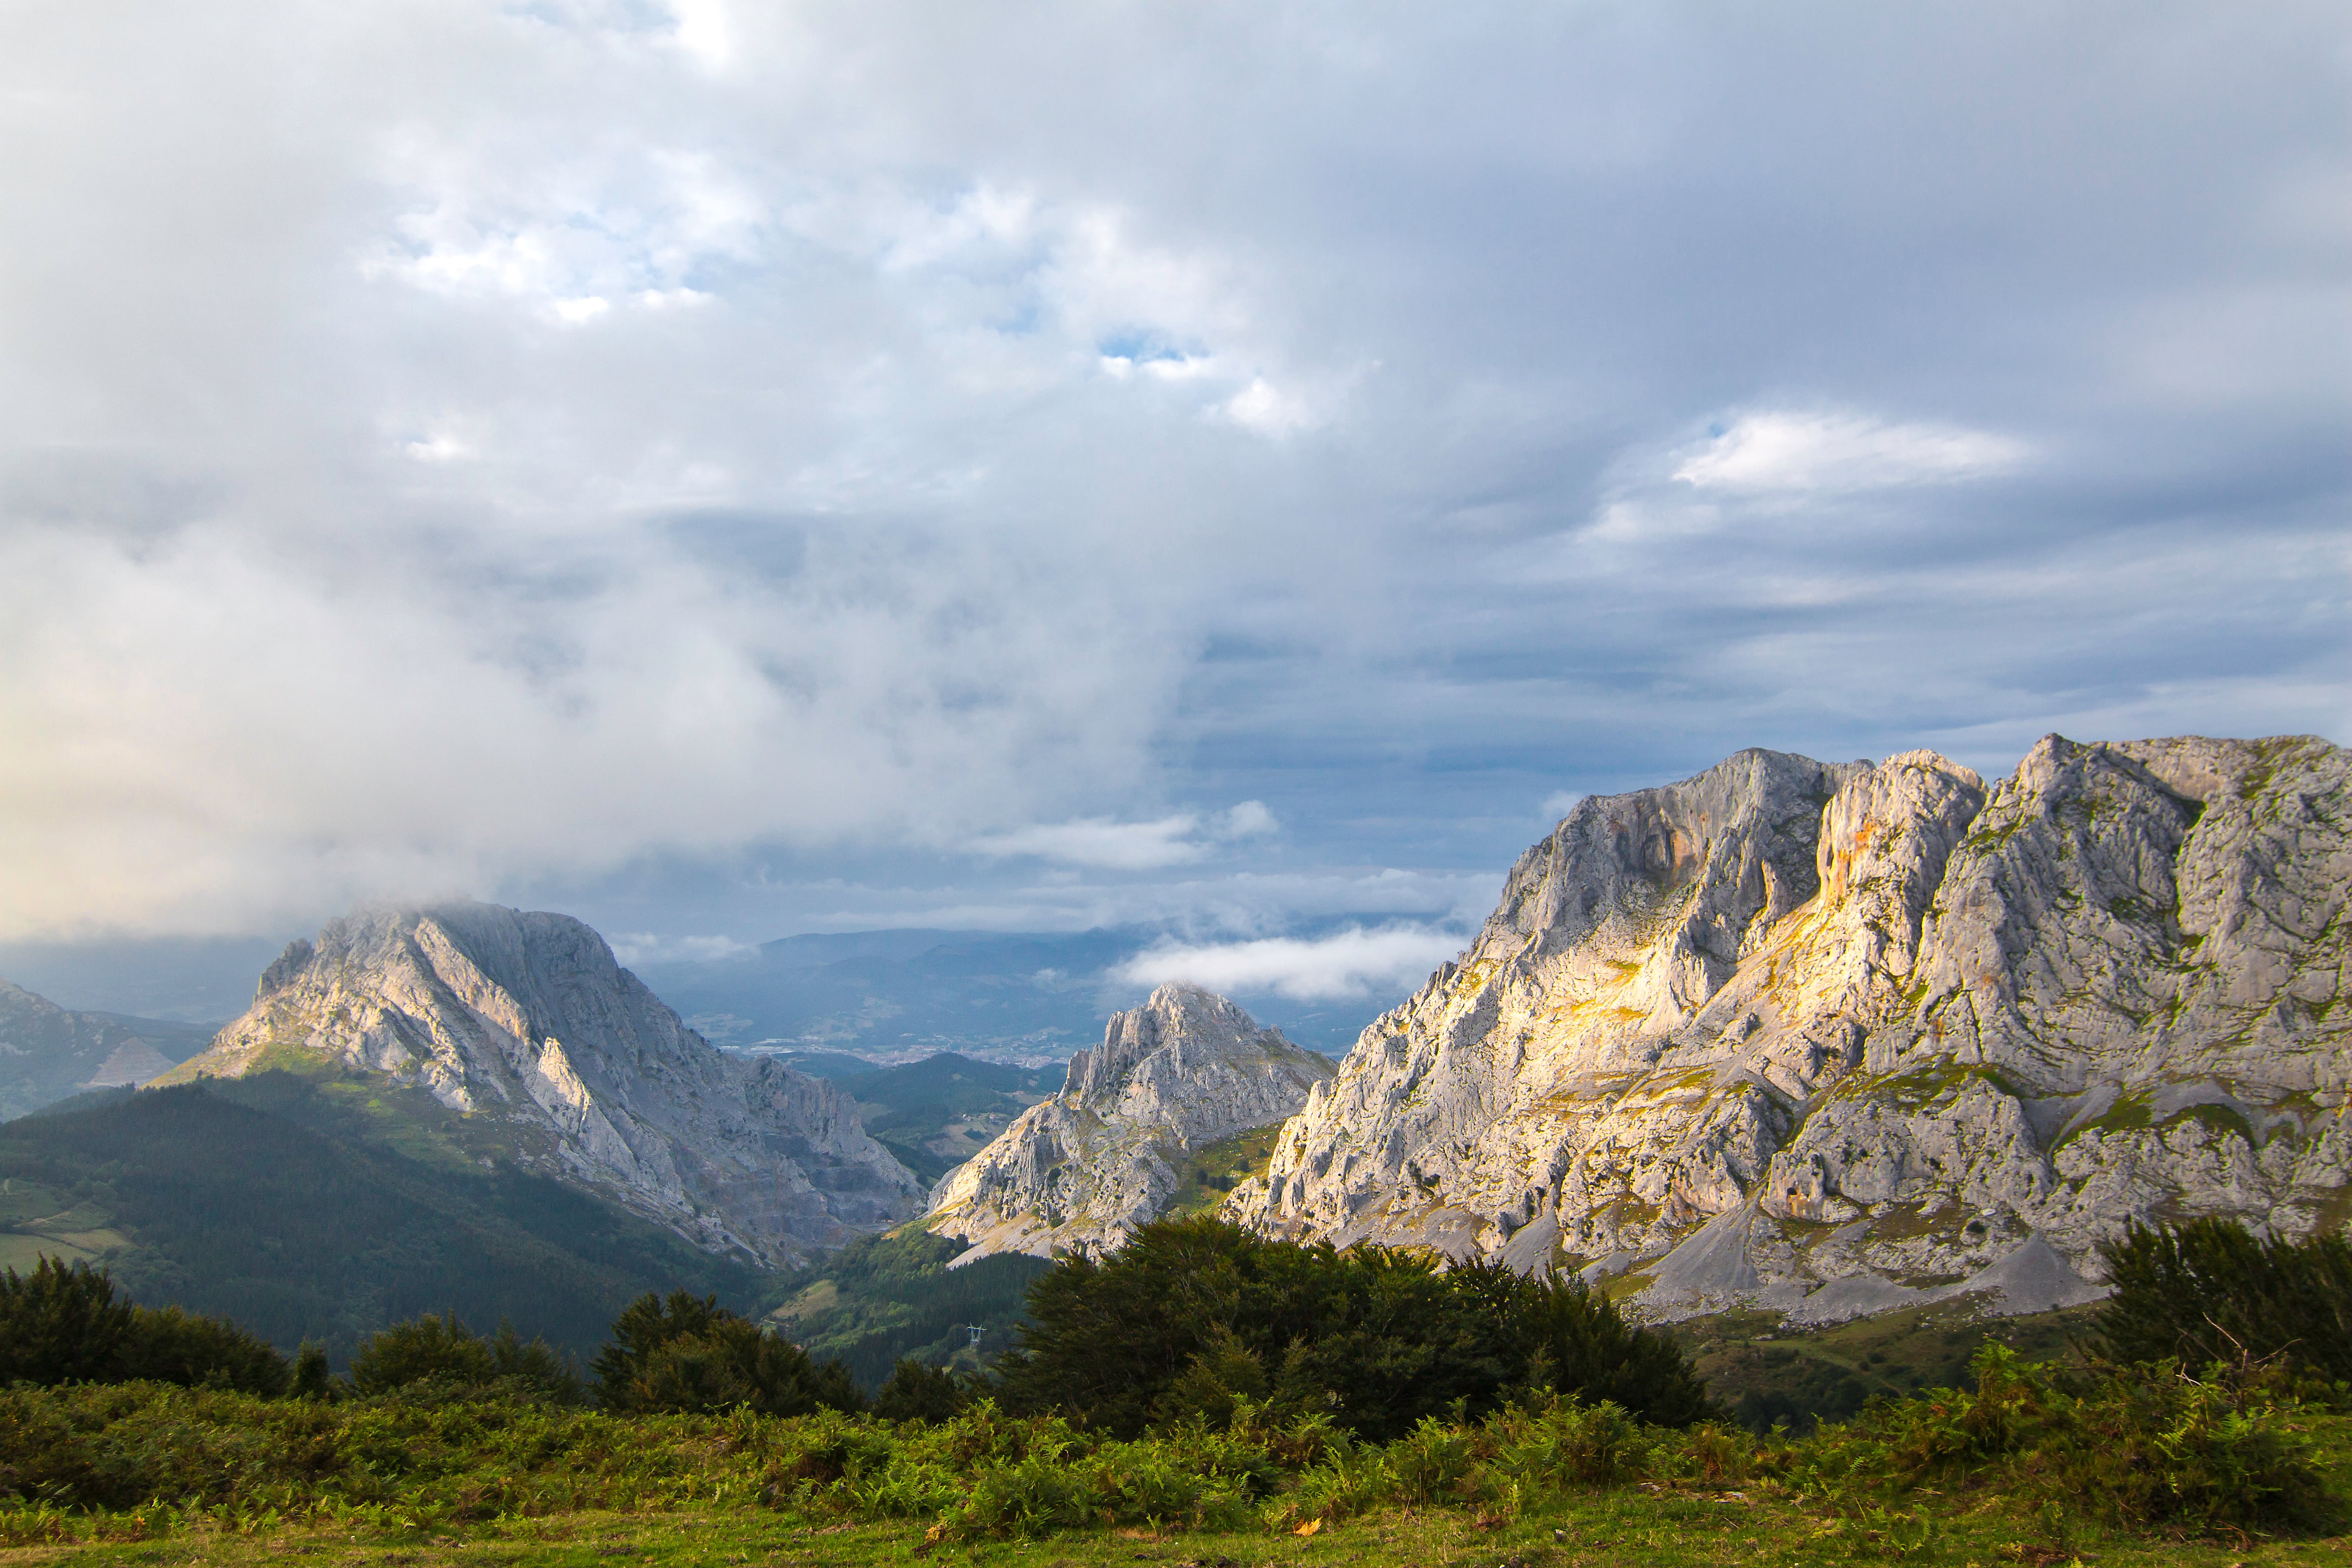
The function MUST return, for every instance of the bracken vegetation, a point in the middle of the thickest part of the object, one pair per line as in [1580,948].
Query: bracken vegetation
[1204,1379]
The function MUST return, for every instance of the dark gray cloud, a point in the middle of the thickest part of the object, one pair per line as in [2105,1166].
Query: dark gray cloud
[728,468]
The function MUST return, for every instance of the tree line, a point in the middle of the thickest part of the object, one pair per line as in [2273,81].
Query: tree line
[1193,1320]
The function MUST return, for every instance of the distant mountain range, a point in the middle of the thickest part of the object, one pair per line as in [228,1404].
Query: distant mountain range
[1027,998]
[48,1052]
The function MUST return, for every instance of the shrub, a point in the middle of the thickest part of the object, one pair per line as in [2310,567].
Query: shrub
[915,1392]
[167,1345]
[312,1378]
[443,1351]
[63,1324]
[2135,1445]
[688,1354]
[1192,1317]
[2209,1291]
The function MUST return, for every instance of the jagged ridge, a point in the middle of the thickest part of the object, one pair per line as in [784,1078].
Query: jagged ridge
[1828,1037]
[1085,1168]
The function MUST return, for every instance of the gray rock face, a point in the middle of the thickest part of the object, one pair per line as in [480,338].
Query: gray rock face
[527,1018]
[48,1052]
[1085,1168]
[1838,1039]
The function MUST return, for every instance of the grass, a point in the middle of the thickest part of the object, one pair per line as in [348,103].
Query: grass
[1212,1172]
[1674,1531]
[686,1491]
[1665,1528]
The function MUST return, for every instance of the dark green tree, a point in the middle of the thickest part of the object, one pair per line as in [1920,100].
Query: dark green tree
[2208,1290]
[167,1345]
[444,1351]
[687,1352]
[915,1390]
[61,1323]
[64,1324]
[1194,1315]
[313,1379]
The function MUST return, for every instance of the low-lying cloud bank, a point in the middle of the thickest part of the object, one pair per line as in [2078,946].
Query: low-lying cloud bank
[1351,963]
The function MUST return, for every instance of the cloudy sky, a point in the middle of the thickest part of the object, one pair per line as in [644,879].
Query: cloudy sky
[730,469]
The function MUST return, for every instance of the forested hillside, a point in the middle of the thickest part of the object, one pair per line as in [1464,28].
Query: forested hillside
[303,1213]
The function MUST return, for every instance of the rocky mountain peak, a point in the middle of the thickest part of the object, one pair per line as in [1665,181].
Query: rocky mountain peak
[527,1018]
[1185,1070]
[1837,1037]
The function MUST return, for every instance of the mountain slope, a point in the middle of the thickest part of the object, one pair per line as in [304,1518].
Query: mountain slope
[1083,1169]
[524,1019]
[271,1201]
[48,1052]
[1836,1039]
[936,1113]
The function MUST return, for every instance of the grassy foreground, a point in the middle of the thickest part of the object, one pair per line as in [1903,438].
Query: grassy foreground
[1671,1530]
[2154,1469]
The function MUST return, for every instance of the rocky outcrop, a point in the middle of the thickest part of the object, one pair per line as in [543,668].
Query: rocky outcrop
[48,1052]
[1836,1038]
[1186,1069]
[525,1017]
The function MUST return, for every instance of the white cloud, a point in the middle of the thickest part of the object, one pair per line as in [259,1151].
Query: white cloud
[1268,410]
[1250,819]
[1349,964]
[1101,842]
[441,447]
[579,311]
[1107,844]
[1835,453]
[652,947]
[703,30]
[1560,803]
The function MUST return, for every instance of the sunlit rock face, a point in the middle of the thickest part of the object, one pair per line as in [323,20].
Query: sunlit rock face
[525,1018]
[1082,1170]
[1838,1039]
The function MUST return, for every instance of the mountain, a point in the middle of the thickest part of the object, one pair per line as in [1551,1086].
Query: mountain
[306,1207]
[1834,1039]
[525,1022]
[900,1294]
[48,1052]
[938,1112]
[1184,1071]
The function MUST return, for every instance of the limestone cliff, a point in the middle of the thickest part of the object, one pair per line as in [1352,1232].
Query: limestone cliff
[526,1017]
[1838,1039]
[1083,1169]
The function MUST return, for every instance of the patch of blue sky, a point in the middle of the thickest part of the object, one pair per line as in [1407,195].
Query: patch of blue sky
[1142,346]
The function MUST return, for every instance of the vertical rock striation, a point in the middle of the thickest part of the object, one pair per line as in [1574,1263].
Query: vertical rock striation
[1186,1069]
[1834,1038]
[526,1017]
